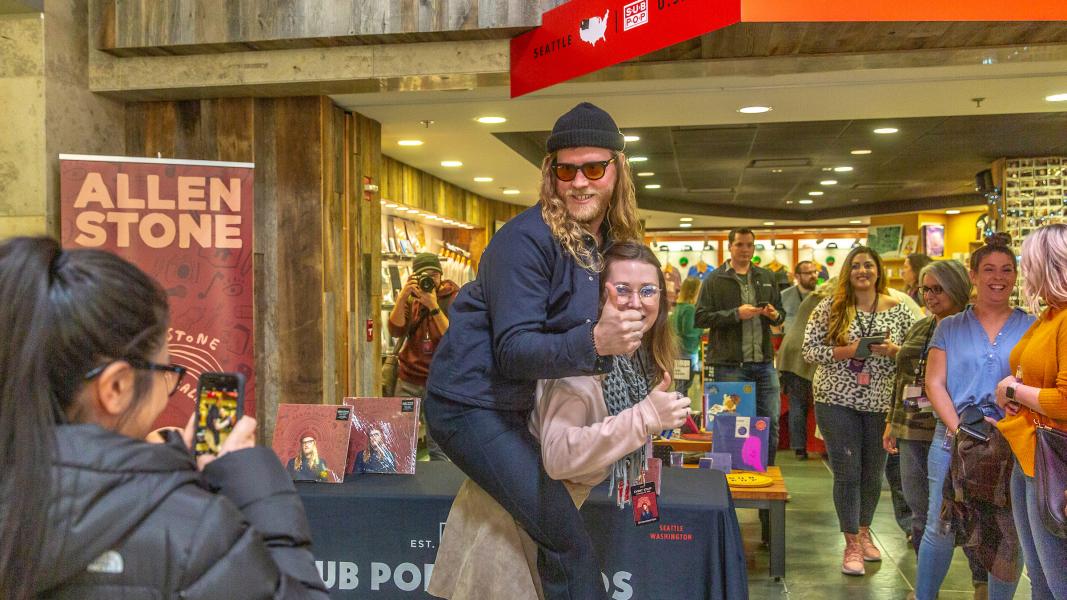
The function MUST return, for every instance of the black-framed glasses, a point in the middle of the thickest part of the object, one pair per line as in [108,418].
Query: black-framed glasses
[172,374]
[934,289]
[645,292]
[592,170]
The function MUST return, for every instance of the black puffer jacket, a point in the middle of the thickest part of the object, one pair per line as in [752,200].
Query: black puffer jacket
[136,520]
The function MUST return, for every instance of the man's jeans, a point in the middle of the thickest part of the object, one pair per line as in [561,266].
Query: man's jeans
[768,400]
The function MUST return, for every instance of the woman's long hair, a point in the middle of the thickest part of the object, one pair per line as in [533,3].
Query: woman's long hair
[622,219]
[688,293]
[62,313]
[843,302]
[659,342]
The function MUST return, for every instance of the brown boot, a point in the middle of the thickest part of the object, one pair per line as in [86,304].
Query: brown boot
[852,564]
[870,551]
[981,590]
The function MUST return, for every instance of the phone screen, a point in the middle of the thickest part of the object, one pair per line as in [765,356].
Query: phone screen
[220,401]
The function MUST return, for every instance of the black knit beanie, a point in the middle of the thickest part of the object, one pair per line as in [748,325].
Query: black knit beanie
[586,125]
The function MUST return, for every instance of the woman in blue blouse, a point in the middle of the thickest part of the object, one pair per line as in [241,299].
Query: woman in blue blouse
[968,356]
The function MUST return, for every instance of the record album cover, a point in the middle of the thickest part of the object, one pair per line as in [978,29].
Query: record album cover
[312,441]
[737,397]
[743,438]
[384,435]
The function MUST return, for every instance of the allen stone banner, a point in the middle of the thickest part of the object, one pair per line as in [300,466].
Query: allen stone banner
[188,224]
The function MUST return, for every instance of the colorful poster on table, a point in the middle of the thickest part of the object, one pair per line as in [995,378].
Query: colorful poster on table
[188,224]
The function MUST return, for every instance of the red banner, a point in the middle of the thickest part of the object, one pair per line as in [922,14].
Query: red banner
[583,36]
[188,224]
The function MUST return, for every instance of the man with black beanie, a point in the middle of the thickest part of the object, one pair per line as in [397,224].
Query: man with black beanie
[533,313]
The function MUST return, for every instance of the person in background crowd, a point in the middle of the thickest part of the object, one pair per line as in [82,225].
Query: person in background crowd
[853,392]
[967,357]
[909,271]
[806,277]
[421,316]
[738,303]
[534,313]
[909,429]
[688,334]
[88,509]
[796,373]
[588,427]
[1034,392]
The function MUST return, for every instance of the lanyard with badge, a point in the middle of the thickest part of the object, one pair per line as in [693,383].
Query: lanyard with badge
[857,365]
[915,399]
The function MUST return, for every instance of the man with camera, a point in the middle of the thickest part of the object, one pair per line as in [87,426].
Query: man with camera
[420,318]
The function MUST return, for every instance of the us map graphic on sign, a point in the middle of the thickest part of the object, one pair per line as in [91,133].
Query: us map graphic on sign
[188,224]
[592,29]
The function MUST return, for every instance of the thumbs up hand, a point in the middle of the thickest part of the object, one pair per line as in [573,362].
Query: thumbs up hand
[671,407]
[619,330]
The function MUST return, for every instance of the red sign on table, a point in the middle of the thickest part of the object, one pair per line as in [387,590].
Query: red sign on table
[188,224]
[583,36]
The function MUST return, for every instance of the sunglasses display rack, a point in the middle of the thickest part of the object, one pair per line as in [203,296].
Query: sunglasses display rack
[1035,194]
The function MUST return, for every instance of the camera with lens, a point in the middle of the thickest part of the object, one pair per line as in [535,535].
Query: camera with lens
[426,282]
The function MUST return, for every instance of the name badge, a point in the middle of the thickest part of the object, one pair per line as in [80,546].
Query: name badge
[915,399]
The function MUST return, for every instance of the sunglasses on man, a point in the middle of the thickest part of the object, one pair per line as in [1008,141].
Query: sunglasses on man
[592,170]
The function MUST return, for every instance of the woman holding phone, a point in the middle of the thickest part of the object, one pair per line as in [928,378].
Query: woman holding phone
[88,509]
[853,336]
[968,356]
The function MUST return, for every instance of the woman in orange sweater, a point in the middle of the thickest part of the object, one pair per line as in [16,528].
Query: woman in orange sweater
[1037,392]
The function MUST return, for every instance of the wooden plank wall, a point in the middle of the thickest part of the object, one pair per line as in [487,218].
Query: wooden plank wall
[407,185]
[363,149]
[307,281]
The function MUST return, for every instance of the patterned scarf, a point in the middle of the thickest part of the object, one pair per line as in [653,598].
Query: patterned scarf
[625,386]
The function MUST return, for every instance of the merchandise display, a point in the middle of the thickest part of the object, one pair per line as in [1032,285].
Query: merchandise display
[384,435]
[312,441]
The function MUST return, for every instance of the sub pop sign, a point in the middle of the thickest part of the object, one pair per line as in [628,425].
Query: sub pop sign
[583,36]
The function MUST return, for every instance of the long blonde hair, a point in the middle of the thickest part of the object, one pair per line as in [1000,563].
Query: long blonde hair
[843,302]
[688,293]
[623,222]
[1044,259]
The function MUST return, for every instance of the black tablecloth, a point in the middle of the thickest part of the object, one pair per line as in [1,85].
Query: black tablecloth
[376,536]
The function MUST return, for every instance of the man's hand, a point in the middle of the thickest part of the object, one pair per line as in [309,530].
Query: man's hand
[888,441]
[770,312]
[618,331]
[747,311]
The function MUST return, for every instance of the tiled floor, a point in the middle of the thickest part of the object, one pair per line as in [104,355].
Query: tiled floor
[814,547]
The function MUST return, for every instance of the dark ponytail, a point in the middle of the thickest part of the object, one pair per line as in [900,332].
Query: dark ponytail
[995,242]
[62,313]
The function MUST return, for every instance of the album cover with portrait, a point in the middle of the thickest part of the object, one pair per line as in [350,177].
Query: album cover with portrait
[734,397]
[311,440]
[385,434]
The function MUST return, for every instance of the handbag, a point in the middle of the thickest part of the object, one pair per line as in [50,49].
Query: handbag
[1050,478]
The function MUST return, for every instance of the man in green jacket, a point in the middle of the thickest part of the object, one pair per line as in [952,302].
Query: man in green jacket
[738,303]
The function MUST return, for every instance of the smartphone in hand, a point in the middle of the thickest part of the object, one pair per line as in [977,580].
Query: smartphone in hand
[220,400]
[864,349]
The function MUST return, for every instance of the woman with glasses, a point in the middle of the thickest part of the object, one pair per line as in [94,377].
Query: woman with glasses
[589,428]
[853,389]
[968,356]
[88,509]
[946,290]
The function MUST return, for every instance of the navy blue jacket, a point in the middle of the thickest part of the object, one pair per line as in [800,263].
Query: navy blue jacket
[529,315]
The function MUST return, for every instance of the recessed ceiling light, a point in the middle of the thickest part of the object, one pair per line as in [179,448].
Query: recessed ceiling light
[409,142]
[754,110]
[815,193]
[952,212]
[685,224]
[842,169]
[828,182]
[483,179]
[1056,98]
[776,170]
[451,163]
[768,222]
[805,201]
[631,138]
[645,174]
[854,200]
[652,186]
[788,201]
[511,192]
[685,219]
[886,130]
[491,120]
[827,168]
[860,151]
[638,158]
[855,221]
